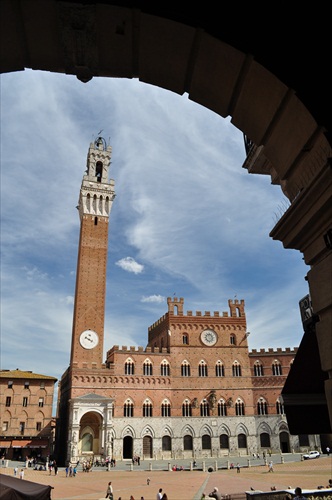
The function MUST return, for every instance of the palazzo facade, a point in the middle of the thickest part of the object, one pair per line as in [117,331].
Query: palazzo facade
[194,391]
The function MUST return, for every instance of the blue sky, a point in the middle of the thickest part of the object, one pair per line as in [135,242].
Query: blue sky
[187,220]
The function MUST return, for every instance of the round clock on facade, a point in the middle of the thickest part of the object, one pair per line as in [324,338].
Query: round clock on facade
[209,337]
[89,339]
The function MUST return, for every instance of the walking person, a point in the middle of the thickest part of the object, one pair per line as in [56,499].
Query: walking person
[109,491]
[238,470]
[159,494]
[327,451]
[270,466]
[22,474]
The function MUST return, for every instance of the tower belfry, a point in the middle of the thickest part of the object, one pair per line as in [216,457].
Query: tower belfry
[94,205]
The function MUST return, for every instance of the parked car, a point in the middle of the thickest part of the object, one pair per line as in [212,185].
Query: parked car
[311,454]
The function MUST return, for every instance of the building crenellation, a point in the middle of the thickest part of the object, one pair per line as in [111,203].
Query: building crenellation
[271,350]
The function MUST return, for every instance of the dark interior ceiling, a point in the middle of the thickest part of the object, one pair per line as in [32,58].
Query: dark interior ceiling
[292,43]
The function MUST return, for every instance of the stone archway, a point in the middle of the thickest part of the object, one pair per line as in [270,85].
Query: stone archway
[284,139]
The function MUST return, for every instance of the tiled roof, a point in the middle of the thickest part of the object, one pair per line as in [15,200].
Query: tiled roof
[24,375]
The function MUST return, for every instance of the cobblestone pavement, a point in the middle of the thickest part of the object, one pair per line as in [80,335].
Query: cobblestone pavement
[181,485]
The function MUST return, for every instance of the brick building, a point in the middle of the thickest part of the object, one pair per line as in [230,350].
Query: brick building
[26,403]
[195,390]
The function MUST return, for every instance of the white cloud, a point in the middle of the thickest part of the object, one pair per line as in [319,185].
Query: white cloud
[129,264]
[153,298]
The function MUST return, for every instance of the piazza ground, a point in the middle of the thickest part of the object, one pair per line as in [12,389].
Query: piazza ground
[181,485]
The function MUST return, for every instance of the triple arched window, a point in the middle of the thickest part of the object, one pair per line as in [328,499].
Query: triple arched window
[258,369]
[262,407]
[186,408]
[276,368]
[129,367]
[128,408]
[147,367]
[205,408]
[165,408]
[280,407]
[222,408]
[185,369]
[202,369]
[147,408]
[239,407]
[236,369]
[164,368]
[220,371]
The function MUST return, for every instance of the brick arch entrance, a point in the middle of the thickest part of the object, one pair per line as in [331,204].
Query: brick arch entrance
[284,140]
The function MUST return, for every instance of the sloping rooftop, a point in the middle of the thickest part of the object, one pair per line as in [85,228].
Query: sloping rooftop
[24,375]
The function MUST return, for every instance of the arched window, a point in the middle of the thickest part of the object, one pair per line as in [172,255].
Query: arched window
[220,372]
[239,407]
[147,367]
[99,170]
[164,368]
[232,339]
[265,440]
[187,442]
[185,369]
[186,408]
[128,408]
[258,369]
[185,339]
[147,408]
[129,367]
[165,408]
[202,369]
[166,443]
[242,441]
[236,369]
[222,408]
[206,442]
[276,368]
[280,407]
[205,409]
[262,407]
[224,441]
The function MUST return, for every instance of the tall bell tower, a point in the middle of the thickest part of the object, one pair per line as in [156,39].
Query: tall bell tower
[94,206]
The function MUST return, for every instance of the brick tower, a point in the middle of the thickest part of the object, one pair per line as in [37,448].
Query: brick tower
[94,205]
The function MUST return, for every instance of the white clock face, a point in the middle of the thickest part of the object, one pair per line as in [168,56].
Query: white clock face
[209,337]
[89,339]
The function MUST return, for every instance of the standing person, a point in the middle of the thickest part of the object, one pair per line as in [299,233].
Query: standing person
[298,493]
[159,494]
[15,471]
[109,491]
[327,451]
[22,474]
[270,466]
[238,470]
[215,494]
